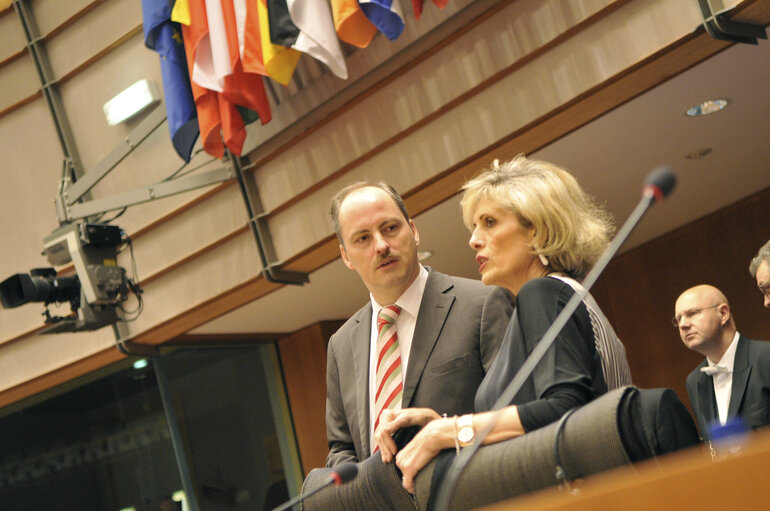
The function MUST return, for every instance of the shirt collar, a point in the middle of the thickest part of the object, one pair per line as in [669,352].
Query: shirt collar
[410,299]
[728,359]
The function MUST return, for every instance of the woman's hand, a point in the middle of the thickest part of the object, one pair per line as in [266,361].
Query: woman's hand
[435,436]
[441,434]
[391,421]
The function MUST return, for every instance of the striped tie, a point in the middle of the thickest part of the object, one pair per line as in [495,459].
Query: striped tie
[388,380]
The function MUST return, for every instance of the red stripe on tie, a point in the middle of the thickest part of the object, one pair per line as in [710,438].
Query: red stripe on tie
[395,309]
[392,395]
[396,363]
[390,399]
[385,347]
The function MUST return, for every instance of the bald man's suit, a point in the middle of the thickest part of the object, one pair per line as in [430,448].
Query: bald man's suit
[750,395]
[459,328]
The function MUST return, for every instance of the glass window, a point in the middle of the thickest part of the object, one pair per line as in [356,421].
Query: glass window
[104,441]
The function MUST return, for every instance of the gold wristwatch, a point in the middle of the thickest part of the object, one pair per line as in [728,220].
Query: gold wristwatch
[465,431]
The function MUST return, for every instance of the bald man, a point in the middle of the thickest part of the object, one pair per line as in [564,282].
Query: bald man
[734,380]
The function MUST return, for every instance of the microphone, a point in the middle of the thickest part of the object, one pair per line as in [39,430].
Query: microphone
[658,185]
[340,474]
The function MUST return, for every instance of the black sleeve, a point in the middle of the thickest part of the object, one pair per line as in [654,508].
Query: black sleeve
[564,376]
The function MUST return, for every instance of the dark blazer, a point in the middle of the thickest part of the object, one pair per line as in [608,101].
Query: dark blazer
[459,328]
[750,396]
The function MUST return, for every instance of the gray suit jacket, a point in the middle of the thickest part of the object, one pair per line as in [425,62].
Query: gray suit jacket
[750,396]
[459,329]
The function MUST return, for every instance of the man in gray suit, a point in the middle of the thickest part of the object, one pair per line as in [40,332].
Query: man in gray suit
[448,330]
[734,379]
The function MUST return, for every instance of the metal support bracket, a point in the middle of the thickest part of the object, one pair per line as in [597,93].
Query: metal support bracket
[271,267]
[130,348]
[117,155]
[149,193]
[49,88]
[724,29]
[70,203]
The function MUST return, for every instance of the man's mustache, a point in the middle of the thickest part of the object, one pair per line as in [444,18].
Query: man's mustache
[389,255]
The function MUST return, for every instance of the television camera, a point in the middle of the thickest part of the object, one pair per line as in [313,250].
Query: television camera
[95,292]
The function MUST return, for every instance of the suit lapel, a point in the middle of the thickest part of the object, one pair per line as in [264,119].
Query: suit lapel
[359,341]
[706,397]
[434,308]
[741,371]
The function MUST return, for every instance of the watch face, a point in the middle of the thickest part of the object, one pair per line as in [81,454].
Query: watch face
[465,434]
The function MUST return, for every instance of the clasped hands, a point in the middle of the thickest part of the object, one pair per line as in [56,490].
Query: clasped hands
[436,433]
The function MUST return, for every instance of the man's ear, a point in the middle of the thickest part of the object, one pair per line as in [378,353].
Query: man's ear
[416,233]
[724,311]
[345,257]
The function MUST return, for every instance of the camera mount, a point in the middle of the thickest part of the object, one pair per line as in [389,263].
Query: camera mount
[98,287]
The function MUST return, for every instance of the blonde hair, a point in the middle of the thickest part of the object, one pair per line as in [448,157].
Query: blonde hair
[571,229]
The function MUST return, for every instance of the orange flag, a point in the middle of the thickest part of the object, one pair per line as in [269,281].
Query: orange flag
[220,121]
[351,23]
[218,118]
[242,88]
[252,59]
[233,127]
[206,102]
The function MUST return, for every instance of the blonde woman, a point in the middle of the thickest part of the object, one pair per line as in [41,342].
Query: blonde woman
[536,233]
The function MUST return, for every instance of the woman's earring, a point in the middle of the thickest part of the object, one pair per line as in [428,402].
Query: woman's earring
[543,259]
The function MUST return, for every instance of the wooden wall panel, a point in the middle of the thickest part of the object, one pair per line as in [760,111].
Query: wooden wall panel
[303,358]
[639,288]
[421,93]
[18,80]
[50,13]
[28,365]
[99,28]
[13,37]
[22,238]
[539,81]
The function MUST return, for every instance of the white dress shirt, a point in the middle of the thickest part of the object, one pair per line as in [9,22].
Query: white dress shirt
[723,380]
[409,302]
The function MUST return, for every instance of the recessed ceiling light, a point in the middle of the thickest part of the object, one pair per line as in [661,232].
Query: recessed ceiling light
[424,254]
[707,107]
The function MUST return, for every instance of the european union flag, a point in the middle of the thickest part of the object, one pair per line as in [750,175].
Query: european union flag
[164,36]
